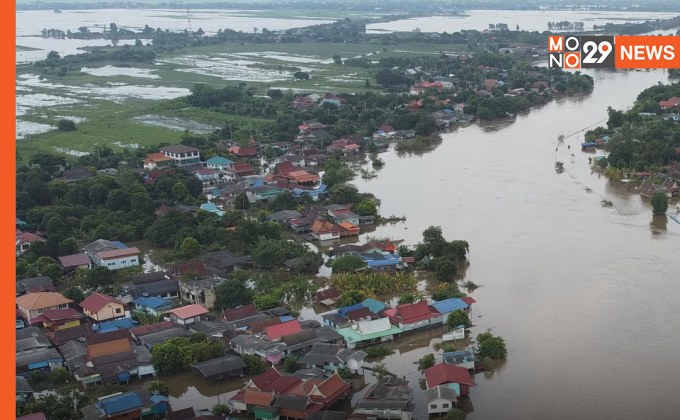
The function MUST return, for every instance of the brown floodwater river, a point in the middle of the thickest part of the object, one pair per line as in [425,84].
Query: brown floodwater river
[585,296]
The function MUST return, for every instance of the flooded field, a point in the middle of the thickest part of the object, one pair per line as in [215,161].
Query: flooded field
[528,20]
[177,124]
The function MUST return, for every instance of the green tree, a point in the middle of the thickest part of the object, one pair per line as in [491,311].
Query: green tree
[444,268]
[350,298]
[457,318]
[255,364]
[158,387]
[455,414]
[268,301]
[379,371]
[75,294]
[344,373]
[426,362]
[180,192]
[189,248]
[347,264]
[169,358]
[367,207]
[231,294]
[241,201]
[290,364]
[408,298]
[220,410]
[491,346]
[659,202]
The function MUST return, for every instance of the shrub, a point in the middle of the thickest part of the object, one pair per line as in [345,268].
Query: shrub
[66,125]
[659,202]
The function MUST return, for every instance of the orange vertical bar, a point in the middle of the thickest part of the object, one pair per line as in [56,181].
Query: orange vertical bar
[8,191]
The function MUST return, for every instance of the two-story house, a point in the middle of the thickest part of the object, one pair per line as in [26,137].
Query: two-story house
[182,155]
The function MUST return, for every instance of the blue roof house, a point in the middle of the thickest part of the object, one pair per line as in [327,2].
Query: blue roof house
[464,358]
[449,305]
[343,311]
[125,405]
[152,304]
[373,305]
[219,163]
[212,208]
[381,262]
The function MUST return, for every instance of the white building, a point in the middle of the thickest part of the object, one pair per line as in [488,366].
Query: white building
[440,399]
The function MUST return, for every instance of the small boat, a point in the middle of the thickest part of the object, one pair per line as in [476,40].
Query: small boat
[675,218]
[57,11]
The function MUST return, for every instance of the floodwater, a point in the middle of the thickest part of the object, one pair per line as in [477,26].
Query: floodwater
[528,20]
[585,296]
[31,22]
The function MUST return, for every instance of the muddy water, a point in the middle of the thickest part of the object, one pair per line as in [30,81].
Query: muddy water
[585,296]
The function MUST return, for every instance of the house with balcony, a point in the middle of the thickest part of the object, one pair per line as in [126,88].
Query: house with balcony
[182,155]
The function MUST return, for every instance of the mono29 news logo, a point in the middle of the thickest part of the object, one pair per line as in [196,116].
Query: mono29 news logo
[613,52]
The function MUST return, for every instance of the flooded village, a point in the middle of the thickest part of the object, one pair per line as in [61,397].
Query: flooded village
[400,248]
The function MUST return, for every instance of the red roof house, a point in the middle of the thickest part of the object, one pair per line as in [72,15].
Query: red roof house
[670,103]
[56,319]
[443,373]
[75,261]
[410,316]
[281,330]
[25,240]
[242,312]
[266,380]
[101,307]
[324,230]
[243,169]
[188,314]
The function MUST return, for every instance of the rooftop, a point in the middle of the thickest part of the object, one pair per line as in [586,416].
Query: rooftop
[96,301]
[42,300]
[189,311]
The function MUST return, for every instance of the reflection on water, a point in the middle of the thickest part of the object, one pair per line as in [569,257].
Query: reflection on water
[659,223]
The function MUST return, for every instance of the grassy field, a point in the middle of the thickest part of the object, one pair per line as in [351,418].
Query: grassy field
[107,123]
[111,123]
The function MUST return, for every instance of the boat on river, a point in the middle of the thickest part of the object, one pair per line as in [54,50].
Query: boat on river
[675,218]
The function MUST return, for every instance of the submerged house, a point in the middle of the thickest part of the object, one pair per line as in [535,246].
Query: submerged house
[413,316]
[364,333]
[455,377]
[220,368]
[332,357]
[389,398]
[440,399]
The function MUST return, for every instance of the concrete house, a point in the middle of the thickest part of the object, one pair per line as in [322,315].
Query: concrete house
[182,155]
[101,307]
[113,255]
[32,305]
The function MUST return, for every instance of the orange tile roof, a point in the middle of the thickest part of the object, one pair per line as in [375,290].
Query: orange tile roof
[331,385]
[117,253]
[156,157]
[42,300]
[255,397]
[109,347]
[322,226]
